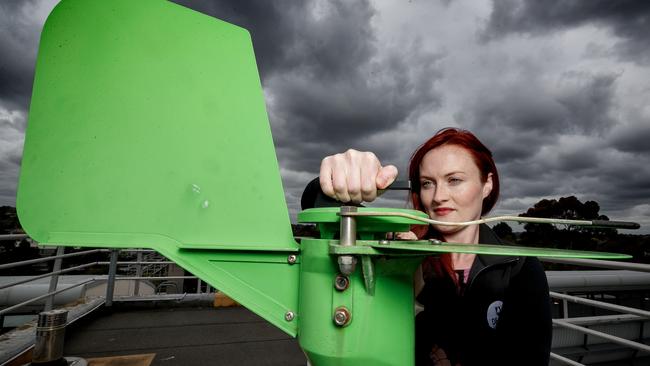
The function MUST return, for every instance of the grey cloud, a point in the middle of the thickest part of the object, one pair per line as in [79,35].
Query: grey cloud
[296,36]
[628,19]
[332,84]
[635,138]
[516,121]
[20,25]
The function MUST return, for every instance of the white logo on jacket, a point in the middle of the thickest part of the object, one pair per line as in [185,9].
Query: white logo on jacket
[493,312]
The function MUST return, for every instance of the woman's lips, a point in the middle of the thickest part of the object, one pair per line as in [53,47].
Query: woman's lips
[443,211]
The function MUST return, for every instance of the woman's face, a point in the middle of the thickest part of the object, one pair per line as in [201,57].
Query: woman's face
[451,188]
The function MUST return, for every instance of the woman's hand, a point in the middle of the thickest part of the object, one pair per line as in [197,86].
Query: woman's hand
[354,176]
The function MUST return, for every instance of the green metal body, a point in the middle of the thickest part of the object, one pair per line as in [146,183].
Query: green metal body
[381,330]
[148,128]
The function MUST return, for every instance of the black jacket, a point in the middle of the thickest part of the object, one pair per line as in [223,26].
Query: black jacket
[503,317]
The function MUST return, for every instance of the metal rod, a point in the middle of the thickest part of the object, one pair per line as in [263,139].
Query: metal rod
[606,319]
[54,280]
[601,304]
[30,279]
[640,267]
[122,278]
[39,260]
[110,284]
[609,337]
[198,286]
[138,273]
[347,237]
[119,263]
[348,233]
[565,360]
[13,236]
[11,308]
[536,220]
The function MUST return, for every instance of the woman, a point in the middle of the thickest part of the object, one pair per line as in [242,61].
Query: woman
[478,310]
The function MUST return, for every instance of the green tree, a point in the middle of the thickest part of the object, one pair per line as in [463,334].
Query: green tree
[566,236]
[504,232]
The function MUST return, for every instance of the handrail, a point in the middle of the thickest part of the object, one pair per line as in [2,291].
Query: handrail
[47,259]
[601,304]
[27,302]
[566,361]
[609,337]
[20,282]
[13,236]
[639,267]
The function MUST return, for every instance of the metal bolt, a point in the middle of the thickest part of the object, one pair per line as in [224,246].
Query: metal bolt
[289,315]
[384,242]
[435,241]
[341,316]
[292,258]
[347,263]
[341,282]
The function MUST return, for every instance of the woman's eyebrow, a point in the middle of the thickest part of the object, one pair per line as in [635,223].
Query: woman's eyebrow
[425,176]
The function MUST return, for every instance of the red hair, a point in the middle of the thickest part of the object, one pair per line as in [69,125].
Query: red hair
[481,155]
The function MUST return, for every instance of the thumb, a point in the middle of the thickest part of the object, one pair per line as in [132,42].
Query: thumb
[386,176]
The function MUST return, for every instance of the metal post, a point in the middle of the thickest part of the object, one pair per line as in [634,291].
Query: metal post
[138,273]
[110,284]
[347,237]
[198,286]
[565,308]
[50,333]
[54,280]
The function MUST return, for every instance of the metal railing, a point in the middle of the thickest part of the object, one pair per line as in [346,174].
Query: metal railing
[145,256]
[112,264]
[566,322]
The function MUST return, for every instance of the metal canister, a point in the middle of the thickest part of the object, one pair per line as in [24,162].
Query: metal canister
[50,334]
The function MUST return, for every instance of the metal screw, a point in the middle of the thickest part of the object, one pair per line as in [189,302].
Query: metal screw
[435,241]
[292,258]
[341,316]
[289,315]
[341,282]
[384,242]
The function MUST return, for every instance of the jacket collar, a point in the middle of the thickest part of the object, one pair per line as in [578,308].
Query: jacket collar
[487,236]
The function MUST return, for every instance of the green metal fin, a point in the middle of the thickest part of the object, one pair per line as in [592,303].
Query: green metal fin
[490,249]
[148,119]
[148,128]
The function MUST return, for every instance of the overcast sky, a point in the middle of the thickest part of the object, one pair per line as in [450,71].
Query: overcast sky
[559,90]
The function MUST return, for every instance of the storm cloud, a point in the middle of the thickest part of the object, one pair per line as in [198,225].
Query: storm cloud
[628,20]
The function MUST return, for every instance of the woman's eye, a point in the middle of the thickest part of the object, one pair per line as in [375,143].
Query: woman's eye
[454,180]
[426,184]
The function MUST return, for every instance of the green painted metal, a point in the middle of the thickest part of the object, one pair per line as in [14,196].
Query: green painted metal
[381,330]
[373,247]
[145,118]
[148,128]
[375,227]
